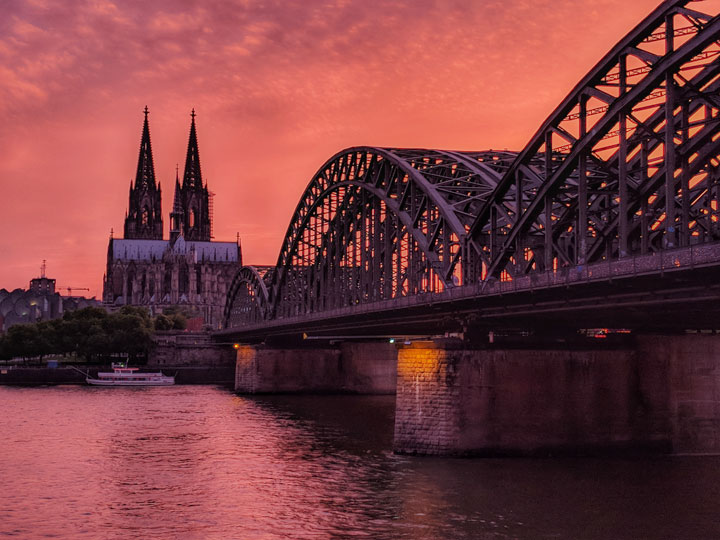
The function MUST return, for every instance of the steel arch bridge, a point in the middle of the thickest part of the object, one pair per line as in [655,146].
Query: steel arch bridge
[626,166]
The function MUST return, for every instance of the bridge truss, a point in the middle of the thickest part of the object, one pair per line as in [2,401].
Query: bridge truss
[626,165]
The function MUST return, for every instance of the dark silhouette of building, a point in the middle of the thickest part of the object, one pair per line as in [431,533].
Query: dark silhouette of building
[144,217]
[189,269]
[192,199]
[40,302]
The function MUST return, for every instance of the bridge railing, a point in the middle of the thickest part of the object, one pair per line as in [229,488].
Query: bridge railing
[655,263]
[697,256]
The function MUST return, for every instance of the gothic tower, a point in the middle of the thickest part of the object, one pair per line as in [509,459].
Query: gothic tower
[192,205]
[144,216]
[176,216]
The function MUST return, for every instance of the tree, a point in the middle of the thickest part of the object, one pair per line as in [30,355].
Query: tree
[179,321]
[48,337]
[162,323]
[131,331]
[179,316]
[85,332]
[90,332]
[23,340]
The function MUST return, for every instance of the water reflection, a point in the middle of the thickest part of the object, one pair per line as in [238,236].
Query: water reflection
[199,462]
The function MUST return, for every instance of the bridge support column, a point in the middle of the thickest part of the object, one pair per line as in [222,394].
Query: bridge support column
[427,411]
[247,376]
[455,400]
[693,385]
[357,368]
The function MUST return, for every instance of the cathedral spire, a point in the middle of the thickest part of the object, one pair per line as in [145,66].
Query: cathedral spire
[177,201]
[192,177]
[194,196]
[145,170]
[144,216]
[176,216]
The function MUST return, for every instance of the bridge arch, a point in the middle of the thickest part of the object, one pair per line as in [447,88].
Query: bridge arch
[247,299]
[628,164]
[411,206]
[380,223]
[645,115]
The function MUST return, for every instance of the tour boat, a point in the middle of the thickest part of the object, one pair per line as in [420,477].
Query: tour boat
[127,376]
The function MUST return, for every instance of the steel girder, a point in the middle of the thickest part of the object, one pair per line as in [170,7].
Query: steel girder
[378,223]
[247,300]
[646,117]
[627,164]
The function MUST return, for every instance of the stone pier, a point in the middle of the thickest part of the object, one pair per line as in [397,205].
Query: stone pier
[651,394]
[355,368]
[661,394]
[692,385]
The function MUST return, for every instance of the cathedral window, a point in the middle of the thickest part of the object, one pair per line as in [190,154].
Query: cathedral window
[167,282]
[117,283]
[184,284]
[193,217]
[145,219]
[130,280]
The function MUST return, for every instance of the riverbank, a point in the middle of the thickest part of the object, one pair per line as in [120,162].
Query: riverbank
[42,375]
[192,357]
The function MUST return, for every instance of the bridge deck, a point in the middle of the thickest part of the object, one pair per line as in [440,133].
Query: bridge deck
[674,290]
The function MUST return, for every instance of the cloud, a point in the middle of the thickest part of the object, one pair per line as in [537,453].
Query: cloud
[25,30]
[279,85]
[18,91]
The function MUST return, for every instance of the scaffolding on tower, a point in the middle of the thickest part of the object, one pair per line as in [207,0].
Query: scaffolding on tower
[211,198]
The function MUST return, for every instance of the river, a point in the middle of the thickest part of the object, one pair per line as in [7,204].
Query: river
[198,462]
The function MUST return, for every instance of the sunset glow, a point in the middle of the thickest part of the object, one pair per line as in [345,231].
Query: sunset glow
[278,88]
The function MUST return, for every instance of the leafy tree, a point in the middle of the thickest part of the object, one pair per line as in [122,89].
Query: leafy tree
[179,321]
[163,322]
[23,340]
[179,316]
[132,331]
[90,332]
[140,312]
[85,332]
[48,340]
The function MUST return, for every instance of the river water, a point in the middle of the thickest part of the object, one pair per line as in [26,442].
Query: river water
[198,462]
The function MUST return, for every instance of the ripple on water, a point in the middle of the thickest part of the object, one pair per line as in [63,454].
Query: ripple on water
[199,462]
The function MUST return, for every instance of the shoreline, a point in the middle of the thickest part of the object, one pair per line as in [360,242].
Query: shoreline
[51,376]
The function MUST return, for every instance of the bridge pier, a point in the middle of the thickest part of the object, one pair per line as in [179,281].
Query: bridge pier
[661,393]
[355,368]
[657,393]
[693,386]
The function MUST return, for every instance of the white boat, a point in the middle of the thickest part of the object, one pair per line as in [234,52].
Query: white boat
[127,376]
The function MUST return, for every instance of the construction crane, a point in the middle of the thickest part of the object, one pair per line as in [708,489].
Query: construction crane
[71,289]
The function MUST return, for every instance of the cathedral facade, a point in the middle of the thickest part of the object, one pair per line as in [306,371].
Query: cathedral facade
[187,270]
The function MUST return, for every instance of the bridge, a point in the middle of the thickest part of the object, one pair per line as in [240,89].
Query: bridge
[605,224]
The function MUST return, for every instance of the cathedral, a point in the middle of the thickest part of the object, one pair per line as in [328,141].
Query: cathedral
[187,270]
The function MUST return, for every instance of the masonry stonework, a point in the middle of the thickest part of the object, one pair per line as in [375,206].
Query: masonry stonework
[246,370]
[189,269]
[656,393]
[661,394]
[349,368]
[427,417]
[189,349]
[693,387]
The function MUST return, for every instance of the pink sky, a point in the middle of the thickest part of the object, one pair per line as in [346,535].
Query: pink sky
[279,86]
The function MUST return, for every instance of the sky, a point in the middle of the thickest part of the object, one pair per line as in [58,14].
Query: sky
[279,86]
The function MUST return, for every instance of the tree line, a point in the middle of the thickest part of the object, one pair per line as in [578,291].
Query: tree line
[91,333]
